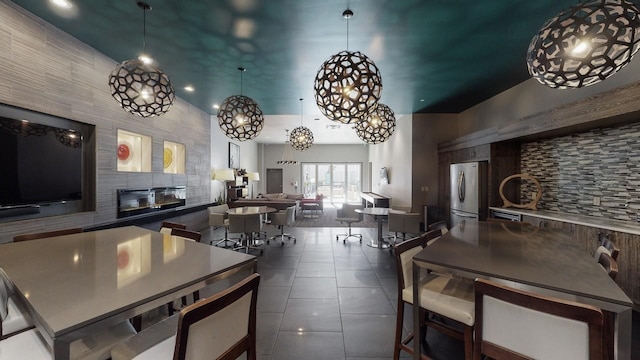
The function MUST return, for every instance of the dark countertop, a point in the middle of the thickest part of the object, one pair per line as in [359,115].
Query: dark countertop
[593,221]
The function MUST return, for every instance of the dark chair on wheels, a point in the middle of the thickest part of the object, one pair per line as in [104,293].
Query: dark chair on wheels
[281,219]
[247,225]
[349,216]
[222,326]
[408,223]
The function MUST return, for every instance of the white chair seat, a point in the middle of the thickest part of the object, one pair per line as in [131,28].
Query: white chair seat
[17,319]
[30,345]
[447,296]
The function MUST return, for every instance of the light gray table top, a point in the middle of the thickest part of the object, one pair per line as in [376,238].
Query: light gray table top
[76,280]
[248,210]
[545,258]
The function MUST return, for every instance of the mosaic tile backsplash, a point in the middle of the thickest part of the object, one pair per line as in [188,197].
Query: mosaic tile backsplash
[572,170]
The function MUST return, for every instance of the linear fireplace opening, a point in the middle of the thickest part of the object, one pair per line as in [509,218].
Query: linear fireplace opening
[133,202]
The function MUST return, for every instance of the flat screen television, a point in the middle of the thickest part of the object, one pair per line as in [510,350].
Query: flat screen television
[41,163]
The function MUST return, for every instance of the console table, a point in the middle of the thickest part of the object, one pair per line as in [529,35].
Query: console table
[370,199]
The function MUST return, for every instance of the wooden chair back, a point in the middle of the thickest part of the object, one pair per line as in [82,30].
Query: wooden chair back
[187,234]
[611,247]
[609,264]
[47,234]
[167,226]
[516,325]
[432,236]
[230,315]
[404,260]
[438,225]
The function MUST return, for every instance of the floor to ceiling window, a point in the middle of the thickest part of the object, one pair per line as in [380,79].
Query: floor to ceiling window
[338,182]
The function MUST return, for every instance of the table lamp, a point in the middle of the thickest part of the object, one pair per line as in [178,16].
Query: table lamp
[253,176]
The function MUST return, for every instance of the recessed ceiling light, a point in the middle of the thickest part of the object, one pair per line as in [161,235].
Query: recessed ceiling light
[189,88]
[216,106]
[317,119]
[65,4]
[421,100]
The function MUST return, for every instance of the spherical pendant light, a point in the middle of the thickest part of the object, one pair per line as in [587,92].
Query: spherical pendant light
[140,87]
[240,117]
[301,138]
[585,44]
[348,85]
[378,126]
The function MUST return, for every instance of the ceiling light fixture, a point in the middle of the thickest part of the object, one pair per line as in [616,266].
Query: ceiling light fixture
[240,117]
[189,88]
[65,4]
[287,152]
[378,126]
[585,44]
[301,137]
[140,87]
[348,85]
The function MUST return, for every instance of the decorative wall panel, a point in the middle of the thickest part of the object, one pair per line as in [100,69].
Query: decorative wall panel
[602,163]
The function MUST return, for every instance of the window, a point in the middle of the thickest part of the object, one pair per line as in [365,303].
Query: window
[339,183]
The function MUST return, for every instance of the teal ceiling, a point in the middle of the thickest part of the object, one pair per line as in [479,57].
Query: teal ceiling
[451,54]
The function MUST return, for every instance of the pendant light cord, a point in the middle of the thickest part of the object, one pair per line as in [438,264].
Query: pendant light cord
[348,33]
[301,100]
[144,31]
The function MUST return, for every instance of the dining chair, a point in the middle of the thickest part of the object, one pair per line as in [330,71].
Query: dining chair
[407,223]
[439,225]
[246,224]
[445,297]
[167,226]
[283,218]
[609,265]
[29,344]
[189,236]
[46,234]
[515,324]
[347,214]
[186,234]
[222,326]
[218,217]
[606,246]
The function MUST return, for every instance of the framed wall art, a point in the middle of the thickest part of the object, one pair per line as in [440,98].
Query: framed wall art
[234,156]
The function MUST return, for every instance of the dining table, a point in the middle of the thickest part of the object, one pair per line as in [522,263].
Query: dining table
[379,213]
[540,260]
[75,284]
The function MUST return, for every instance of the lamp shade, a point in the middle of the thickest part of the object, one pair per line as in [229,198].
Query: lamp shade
[224,175]
[253,176]
[585,44]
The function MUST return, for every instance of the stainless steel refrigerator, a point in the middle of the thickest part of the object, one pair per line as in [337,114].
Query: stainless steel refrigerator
[468,192]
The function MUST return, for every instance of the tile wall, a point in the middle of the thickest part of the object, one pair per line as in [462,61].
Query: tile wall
[573,170]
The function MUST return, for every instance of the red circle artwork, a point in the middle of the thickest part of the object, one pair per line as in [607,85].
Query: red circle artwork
[123,152]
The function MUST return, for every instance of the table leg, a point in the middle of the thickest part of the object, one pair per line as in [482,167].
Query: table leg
[379,243]
[61,349]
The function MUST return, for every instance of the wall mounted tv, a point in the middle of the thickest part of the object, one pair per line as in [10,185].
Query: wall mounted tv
[43,158]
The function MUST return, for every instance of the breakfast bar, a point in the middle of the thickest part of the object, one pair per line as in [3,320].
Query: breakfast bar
[539,260]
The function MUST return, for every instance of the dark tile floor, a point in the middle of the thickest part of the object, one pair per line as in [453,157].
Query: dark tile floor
[322,299]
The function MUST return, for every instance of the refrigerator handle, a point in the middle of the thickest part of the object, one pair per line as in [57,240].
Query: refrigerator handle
[463,215]
[461,186]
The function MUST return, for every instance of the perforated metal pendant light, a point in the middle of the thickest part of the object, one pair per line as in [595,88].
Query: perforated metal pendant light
[378,126]
[240,117]
[140,87]
[348,85]
[301,138]
[585,44]
[287,152]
